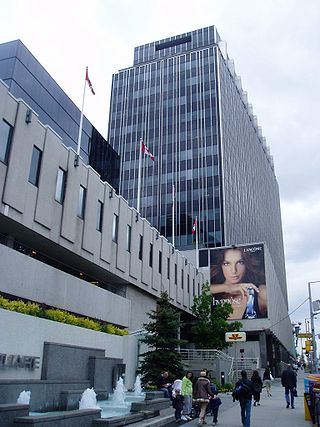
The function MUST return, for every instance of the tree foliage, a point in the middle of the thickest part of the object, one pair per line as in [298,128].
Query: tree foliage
[211,325]
[162,338]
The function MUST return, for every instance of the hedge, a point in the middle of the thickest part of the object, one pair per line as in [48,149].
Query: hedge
[62,316]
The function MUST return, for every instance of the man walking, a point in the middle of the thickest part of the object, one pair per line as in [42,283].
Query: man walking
[289,382]
[245,390]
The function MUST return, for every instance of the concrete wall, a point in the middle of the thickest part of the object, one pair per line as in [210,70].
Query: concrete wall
[32,214]
[28,278]
[26,335]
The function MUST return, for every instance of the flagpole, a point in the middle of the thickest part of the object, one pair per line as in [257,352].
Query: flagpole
[139,176]
[197,245]
[173,214]
[76,160]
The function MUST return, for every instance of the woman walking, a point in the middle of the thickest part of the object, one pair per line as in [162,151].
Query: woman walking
[257,387]
[186,391]
[201,392]
[267,378]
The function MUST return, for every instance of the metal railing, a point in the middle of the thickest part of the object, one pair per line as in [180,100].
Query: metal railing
[193,354]
[248,364]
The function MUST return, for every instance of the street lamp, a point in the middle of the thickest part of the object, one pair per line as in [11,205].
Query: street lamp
[314,344]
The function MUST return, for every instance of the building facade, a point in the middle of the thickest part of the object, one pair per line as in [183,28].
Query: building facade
[184,99]
[28,79]
[69,242]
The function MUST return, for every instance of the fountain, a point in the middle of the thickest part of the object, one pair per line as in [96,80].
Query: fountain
[88,400]
[119,403]
[137,386]
[119,393]
[24,398]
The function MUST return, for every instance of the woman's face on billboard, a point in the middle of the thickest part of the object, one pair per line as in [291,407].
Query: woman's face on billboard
[233,266]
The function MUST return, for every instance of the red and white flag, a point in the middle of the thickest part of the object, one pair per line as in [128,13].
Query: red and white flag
[146,151]
[89,82]
[194,227]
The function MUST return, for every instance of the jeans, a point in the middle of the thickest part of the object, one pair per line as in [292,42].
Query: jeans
[288,390]
[245,405]
[177,414]
[187,405]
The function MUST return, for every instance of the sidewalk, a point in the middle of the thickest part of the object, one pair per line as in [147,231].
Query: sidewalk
[271,413]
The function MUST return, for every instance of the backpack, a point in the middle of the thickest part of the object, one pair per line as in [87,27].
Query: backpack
[240,390]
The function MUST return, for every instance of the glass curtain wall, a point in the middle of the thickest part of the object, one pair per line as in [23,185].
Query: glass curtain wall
[169,100]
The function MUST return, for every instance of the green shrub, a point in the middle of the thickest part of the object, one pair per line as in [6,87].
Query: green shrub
[114,330]
[4,303]
[30,308]
[109,329]
[61,316]
[227,387]
[89,324]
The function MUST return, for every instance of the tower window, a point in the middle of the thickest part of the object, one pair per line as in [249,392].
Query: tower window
[35,166]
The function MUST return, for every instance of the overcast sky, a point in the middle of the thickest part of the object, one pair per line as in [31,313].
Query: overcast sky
[275,46]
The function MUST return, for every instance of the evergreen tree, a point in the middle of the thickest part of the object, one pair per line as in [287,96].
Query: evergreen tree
[211,325]
[162,338]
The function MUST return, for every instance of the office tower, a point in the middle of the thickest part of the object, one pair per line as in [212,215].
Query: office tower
[29,80]
[183,97]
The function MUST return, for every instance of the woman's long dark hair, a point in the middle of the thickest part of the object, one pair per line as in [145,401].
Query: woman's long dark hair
[254,267]
[255,375]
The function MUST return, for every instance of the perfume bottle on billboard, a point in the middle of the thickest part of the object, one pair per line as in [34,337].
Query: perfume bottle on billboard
[250,311]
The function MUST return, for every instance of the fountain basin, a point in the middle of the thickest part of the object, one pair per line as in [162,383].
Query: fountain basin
[9,411]
[79,418]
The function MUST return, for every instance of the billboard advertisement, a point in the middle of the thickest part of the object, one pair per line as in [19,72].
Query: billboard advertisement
[237,276]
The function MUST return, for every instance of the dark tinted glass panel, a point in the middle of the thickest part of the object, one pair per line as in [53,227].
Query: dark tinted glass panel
[115,227]
[129,238]
[60,185]
[151,255]
[81,202]
[141,247]
[99,216]
[203,258]
[35,166]
[5,140]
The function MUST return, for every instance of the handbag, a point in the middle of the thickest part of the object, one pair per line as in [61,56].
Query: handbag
[271,377]
[295,393]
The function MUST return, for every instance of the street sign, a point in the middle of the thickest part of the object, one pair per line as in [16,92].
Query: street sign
[305,335]
[235,337]
[316,305]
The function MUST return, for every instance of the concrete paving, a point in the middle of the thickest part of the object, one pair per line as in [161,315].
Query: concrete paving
[271,413]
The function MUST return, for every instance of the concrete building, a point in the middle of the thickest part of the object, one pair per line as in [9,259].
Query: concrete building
[69,242]
[183,97]
[29,80]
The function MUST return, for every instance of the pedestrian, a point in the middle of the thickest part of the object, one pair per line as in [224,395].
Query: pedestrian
[164,385]
[201,392]
[257,387]
[177,403]
[289,382]
[267,378]
[187,391]
[244,389]
[214,404]
[177,384]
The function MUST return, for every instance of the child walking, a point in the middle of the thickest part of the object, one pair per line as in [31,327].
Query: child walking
[214,404]
[177,403]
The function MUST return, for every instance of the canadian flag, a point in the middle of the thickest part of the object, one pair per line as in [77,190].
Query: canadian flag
[146,151]
[89,82]
[194,227]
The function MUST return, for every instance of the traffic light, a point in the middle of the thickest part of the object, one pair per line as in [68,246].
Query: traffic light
[308,346]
